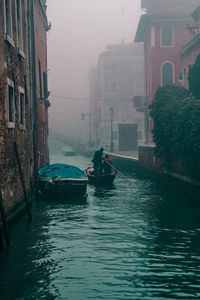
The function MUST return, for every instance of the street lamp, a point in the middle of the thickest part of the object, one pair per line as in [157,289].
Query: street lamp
[90,127]
[111,130]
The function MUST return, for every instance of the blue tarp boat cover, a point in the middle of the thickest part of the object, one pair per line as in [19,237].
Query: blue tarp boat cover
[60,171]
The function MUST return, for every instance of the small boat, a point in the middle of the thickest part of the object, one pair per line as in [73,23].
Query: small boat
[101,179]
[63,180]
[68,151]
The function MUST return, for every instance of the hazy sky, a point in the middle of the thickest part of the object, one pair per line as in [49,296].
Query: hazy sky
[80,31]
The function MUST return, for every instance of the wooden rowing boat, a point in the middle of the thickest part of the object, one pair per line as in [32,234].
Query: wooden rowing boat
[62,180]
[101,179]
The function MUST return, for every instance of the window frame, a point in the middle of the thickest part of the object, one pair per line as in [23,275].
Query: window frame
[40,79]
[117,86]
[19,27]
[110,65]
[139,86]
[8,36]
[153,37]
[21,110]
[45,85]
[161,37]
[164,63]
[10,123]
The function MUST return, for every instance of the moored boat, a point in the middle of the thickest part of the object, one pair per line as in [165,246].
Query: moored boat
[100,179]
[62,180]
[68,151]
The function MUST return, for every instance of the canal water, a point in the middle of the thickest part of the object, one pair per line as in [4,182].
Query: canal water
[123,243]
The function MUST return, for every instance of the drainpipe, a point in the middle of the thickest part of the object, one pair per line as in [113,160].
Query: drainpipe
[146,96]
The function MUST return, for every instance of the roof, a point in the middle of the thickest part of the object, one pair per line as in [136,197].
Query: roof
[146,20]
[142,28]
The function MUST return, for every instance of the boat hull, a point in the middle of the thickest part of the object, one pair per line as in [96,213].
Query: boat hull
[69,153]
[102,179]
[63,187]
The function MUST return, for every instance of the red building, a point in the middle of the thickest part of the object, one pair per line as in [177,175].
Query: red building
[163,29]
[191,50]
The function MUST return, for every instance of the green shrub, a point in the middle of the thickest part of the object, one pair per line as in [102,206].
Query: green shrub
[176,132]
[194,78]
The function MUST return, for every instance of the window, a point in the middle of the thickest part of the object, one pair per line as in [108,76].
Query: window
[19,24]
[45,88]
[21,107]
[106,66]
[40,77]
[8,17]
[113,66]
[167,74]
[152,36]
[113,87]
[167,36]
[184,77]
[138,64]
[189,67]
[110,66]
[10,104]
[139,135]
[139,86]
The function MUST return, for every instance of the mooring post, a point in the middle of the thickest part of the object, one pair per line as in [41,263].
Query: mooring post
[1,240]
[4,222]
[22,180]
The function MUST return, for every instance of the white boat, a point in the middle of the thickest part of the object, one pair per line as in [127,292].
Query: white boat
[68,151]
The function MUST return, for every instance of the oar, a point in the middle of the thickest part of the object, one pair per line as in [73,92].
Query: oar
[122,175]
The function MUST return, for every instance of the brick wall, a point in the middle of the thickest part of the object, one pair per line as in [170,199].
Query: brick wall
[14,66]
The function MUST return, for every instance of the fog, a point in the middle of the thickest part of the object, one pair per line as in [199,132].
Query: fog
[80,31]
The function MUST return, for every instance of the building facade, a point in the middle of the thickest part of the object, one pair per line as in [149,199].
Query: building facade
[15,102]
[114,83]
[191,50]
[19,114]
[40,93]
[163,30]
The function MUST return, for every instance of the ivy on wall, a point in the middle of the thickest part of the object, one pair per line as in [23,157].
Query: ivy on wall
[176,132]
[194,78]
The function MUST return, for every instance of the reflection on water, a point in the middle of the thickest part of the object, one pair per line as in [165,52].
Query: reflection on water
[125,242]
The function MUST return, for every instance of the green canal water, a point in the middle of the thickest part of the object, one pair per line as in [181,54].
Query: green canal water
[123,243]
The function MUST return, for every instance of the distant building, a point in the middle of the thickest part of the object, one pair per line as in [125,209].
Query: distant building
[117,80]
[23,85]
[191,50]
[163,29]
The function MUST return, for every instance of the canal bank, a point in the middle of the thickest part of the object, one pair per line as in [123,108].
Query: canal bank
[132,163]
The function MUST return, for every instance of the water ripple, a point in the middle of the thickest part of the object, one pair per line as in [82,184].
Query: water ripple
[138,242]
